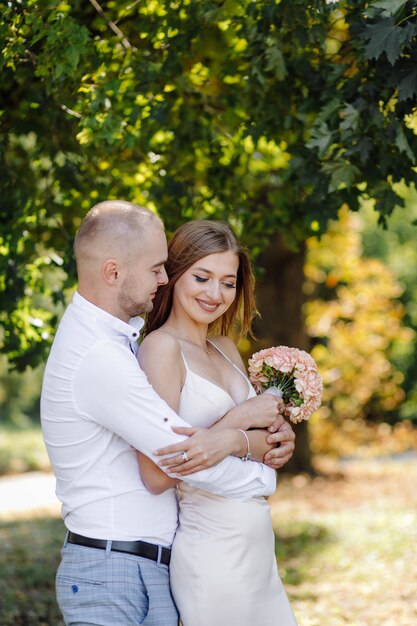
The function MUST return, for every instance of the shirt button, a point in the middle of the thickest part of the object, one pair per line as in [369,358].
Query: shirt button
[74,589]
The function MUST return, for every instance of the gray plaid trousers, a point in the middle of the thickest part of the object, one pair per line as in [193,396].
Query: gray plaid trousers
[102,588]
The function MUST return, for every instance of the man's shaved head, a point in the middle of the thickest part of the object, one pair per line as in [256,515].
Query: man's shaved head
[120,250]
[114,228]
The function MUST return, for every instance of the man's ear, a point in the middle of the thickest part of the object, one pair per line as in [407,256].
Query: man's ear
[111,271]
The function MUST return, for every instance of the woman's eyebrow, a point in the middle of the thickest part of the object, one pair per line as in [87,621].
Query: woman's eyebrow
[202,269]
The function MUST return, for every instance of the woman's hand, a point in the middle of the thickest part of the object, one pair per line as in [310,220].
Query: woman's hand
[259,412]
[283,439]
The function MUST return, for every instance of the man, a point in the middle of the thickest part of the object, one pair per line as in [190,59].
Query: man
[97,409]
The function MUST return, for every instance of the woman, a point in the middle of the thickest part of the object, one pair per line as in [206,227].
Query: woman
[223,567]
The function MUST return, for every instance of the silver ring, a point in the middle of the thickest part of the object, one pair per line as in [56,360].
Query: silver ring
[184,457]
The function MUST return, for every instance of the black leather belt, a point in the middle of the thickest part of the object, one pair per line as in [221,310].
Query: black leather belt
[138,548]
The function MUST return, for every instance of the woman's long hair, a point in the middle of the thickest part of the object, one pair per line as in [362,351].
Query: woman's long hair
[190,243]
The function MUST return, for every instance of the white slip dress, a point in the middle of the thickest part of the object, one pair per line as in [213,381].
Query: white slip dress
[223,567]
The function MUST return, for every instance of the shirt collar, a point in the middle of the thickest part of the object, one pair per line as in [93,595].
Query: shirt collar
[131,329]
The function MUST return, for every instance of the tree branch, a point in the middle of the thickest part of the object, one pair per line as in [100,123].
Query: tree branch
[125,41]
[70,111]
[129,8]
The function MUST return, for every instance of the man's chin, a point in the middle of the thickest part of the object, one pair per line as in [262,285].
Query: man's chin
[145,308]
[140,309]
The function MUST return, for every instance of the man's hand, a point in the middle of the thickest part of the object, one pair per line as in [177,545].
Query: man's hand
[284,439]
[203,449]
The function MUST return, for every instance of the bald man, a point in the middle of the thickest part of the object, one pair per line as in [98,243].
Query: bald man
[97,409]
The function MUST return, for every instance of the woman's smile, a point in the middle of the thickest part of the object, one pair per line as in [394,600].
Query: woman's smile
[210,307]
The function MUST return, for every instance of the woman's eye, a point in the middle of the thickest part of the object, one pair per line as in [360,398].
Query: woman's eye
[200,279]
[230,285]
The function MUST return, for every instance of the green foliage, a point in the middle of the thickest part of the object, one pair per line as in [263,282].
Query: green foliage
[270,115]
[19,395]
[391,33]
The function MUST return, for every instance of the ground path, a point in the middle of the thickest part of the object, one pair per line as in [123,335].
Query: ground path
[22,494]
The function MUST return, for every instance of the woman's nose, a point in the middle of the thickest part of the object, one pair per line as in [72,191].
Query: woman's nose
[214,289]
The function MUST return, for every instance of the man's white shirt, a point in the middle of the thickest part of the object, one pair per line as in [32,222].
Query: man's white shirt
[97,409]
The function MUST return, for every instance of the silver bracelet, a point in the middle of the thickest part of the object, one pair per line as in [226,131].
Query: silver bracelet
[248,454]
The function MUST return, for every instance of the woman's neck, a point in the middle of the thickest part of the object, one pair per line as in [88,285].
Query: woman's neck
[187,330]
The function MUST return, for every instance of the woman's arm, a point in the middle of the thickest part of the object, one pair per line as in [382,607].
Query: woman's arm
[154,479]
[159,356]
[259,416]
[258,412]
[258,444]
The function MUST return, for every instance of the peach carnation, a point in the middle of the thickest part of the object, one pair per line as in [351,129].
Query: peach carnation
[293,374]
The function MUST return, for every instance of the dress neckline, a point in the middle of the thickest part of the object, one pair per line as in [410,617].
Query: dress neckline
[188,369]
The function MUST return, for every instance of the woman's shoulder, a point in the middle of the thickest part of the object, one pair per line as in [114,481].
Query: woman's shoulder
[159,355]
[160,341]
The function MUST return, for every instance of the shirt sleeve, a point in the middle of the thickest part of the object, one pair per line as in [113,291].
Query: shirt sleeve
[112,390]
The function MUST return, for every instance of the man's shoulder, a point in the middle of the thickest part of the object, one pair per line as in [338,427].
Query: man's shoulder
[79,336]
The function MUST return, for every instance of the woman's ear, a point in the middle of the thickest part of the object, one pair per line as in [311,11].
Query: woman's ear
[111,271]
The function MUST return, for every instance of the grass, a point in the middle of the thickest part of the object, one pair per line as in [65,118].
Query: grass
[346,545]
[22,450]
[28,561]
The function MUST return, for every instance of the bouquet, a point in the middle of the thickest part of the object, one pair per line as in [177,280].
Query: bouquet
[291,374]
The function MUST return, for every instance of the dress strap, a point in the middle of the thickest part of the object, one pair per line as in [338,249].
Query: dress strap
[187,367]
[221,352]
[226,357]
[231,362]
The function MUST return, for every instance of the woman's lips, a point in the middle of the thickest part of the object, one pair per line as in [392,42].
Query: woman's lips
[209,307]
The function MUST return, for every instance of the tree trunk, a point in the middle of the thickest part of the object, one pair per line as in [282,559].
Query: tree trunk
[280,300]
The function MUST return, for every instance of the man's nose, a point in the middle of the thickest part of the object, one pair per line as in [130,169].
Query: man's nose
[162,276]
